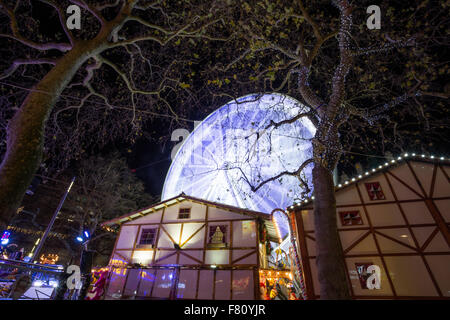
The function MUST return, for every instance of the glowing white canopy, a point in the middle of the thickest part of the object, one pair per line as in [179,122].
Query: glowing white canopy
[234,148]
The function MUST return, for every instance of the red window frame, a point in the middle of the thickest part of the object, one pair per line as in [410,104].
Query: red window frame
[375,191]
[354,219]
[361,270]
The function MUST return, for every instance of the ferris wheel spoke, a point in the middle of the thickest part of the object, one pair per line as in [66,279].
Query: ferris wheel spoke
[232,150]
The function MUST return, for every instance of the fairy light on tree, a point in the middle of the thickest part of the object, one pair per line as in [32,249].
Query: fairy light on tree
[333,67]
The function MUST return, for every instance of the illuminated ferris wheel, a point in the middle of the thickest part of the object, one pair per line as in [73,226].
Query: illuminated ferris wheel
[235,149]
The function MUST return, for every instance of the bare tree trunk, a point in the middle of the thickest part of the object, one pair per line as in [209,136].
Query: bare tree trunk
[25,133]
[330,258]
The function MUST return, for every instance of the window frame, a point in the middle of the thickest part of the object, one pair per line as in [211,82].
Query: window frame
[144,231]
[212,229]
[352,220]
[375,195]
[181,215]
[361,271]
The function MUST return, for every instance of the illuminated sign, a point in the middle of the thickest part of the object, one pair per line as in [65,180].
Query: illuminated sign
[5,237]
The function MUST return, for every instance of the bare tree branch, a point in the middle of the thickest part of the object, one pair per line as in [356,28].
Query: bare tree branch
[17,36]
[18,62]
[60,10]
[91,9]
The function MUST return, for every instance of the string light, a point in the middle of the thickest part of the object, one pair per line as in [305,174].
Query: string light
[49,258]
[374,170]
[277,229]
[38,233]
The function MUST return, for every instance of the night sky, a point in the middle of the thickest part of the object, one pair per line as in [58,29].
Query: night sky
[149,157]
[151,162]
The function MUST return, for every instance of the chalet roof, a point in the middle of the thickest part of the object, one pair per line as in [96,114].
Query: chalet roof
[180,198]
[398,161]
[272,233]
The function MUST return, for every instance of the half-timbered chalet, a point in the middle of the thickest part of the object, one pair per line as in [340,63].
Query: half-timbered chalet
[395,216]
[188,248]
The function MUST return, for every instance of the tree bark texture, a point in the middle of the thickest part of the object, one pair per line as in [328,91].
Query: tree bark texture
[330,261]
[25,132]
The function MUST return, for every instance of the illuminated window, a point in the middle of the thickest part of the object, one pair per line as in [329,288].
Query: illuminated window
[350,218]
[374,190]
[184,213]
[217,236]
[148,236]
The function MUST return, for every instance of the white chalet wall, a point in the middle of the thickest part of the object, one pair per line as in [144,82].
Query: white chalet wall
[191,235]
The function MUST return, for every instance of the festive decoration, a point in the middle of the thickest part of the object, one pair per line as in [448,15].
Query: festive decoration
[263,236]
[280,253]
[273,293]
[5,288]
[50,258]
[37,233]
[276,284]
[274,274]
[98,284]
[293,248]
[5,238]
[372,171]
[292,295]
[106,228]
[277,229]
[217,237]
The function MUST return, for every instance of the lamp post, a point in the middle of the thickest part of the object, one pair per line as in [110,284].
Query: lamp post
[52,221]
